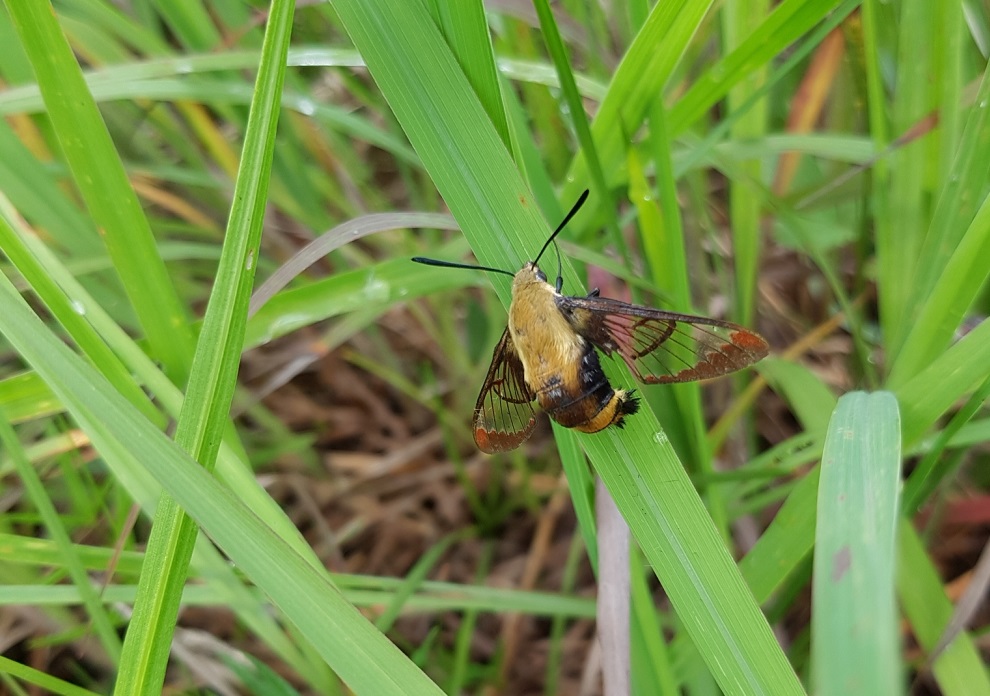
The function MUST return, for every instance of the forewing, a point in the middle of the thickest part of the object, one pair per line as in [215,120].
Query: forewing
[503,416]
[663,347]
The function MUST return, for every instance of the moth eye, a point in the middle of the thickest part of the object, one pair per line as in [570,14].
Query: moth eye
[541,276]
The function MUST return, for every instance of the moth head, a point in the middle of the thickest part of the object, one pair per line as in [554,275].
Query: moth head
[529,274]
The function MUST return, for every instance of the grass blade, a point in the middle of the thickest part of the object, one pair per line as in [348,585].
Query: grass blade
[204,415]
[959,670]
[361,655]
[99,174]
[855,641]
[434,103]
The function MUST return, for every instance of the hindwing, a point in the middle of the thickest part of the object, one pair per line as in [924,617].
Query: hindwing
[503,416]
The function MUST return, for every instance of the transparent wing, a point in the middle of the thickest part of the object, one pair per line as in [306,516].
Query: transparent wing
[503,416]
[663,347]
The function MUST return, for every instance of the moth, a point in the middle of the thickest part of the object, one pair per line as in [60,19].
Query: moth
[549,354]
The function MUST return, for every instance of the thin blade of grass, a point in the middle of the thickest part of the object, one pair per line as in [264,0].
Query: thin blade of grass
[579,120]
[745,204]
[959,670]
[41,679]
[380,285]
[640,78]
[942,312]
[581,486]
[40,266]
[652,57]
[809,398]
[653,671]
[785,543]
[936,465]
[206,407]
[69,313]
[55,528]
[100,177]
[33,189]
[789,21]
[950,376]
[959,201]
[661,232]
[661,235]
[910,170]
[111,84]
[465,27]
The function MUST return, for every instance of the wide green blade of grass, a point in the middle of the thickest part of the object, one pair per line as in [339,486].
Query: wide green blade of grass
[446,124]
[855,637]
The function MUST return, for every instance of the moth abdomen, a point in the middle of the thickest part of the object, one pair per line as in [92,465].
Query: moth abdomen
[584,399]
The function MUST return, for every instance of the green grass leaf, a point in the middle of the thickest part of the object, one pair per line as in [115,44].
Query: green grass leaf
[100,177]
[855,636]
[205,409]
[959,670]
[446,124]
[361,655]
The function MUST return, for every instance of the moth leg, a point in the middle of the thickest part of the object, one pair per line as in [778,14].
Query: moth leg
[595,293]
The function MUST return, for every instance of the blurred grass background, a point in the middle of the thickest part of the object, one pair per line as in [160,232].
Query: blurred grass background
[815,170]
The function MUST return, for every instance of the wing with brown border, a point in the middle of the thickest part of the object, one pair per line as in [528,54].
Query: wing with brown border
[503,416]
[663,347]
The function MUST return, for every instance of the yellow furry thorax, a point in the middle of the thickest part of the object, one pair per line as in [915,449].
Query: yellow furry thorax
[545,341]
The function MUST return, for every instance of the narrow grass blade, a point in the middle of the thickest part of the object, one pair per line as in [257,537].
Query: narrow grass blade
[910,172]
[745,204]
[936,465]
[36,677]
[55,528]
[785,543]
[960,198]
[959,669]
[579,120]
[942,312]
[641,76]
[204,415]
[789,21]
[581,485]
[950,376]
[48,284]
[661,233]
[810,399]
[652,57]
[465,27]
[99,174]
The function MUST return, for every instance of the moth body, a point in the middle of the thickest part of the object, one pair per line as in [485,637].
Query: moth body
[560,367]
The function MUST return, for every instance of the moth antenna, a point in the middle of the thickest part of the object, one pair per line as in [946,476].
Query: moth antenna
[451,264]
[567,218]
[560,268]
